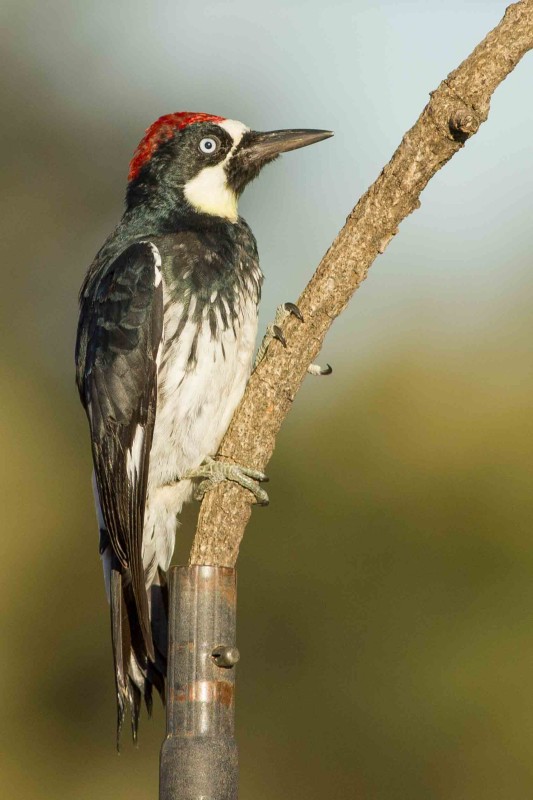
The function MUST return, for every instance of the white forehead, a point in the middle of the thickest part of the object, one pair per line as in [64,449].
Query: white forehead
[235,129]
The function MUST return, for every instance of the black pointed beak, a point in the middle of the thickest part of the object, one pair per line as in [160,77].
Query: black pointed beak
[257,149]
[268,145]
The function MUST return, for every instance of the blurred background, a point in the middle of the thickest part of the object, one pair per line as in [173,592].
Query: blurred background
[386,595]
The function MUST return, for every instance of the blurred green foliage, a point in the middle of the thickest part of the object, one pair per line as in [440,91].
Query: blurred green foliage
[386,594]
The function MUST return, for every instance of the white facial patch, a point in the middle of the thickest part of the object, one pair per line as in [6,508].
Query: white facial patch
[208,191]
[235,129]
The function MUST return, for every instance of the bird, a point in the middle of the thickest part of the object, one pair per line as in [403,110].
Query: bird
[164,349]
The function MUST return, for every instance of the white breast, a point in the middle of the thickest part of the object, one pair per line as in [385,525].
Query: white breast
[196,401]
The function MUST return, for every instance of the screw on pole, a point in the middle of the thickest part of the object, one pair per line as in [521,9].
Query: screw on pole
[199,754]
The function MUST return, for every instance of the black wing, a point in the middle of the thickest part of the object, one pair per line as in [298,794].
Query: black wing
[119,335]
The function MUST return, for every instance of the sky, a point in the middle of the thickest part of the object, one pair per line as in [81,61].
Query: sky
[100,73]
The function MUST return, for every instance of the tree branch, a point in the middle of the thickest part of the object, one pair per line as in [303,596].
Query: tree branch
[454,113]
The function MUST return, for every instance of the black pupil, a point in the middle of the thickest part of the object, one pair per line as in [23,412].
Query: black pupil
[208,144]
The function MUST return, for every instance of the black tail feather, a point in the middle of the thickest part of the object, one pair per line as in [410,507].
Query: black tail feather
[135,709]
[119,638]
[135,672]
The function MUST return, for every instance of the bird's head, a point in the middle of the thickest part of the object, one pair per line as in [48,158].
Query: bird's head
[206,161]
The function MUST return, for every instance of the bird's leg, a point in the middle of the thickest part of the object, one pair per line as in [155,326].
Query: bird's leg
[274,332]
[217,471]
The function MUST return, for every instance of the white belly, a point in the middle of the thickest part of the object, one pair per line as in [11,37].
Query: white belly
[196,401]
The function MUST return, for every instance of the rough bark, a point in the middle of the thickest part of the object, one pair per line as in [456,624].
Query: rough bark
[454,113]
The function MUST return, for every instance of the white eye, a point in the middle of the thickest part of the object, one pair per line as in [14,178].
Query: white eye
[208,145]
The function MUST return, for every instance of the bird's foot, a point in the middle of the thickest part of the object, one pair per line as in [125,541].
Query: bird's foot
[215,472]
[274,332]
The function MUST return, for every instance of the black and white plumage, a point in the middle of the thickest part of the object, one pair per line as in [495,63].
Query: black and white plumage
[168,322]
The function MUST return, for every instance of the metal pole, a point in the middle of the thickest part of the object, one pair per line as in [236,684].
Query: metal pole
[199,755]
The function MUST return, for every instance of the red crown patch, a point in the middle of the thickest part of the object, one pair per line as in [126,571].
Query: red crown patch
[161,130]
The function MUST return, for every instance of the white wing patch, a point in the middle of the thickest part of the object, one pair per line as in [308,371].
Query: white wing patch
[134,454]
[158,276]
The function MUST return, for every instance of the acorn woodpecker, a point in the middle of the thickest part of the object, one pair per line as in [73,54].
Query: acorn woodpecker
[167,328]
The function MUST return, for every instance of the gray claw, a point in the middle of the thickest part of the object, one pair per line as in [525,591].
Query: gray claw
[255,474]
[315,369]
[201,489]
[277,334]
[274,331]
[293,309]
